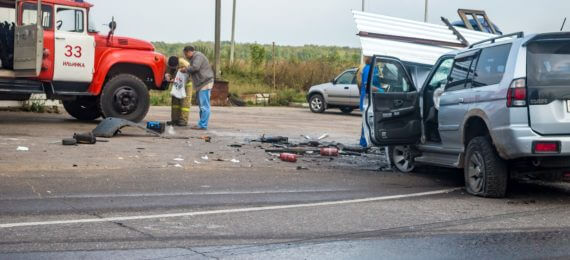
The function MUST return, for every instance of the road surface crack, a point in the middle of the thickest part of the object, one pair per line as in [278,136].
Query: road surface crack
[34,190]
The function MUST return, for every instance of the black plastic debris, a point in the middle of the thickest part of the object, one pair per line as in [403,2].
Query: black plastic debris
[111,127]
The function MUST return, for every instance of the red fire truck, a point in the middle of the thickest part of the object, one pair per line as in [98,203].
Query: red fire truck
[52,47]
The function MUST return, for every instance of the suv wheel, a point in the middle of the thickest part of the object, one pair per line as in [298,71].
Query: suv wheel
[346,110]
[403,158]
[83,108]
[486,173]
[125,96]
[317,103]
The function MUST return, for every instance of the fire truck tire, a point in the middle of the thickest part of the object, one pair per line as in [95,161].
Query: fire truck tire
[125,96]
[83,108]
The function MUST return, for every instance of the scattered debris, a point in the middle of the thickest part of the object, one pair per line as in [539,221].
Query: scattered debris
[332,152]
[302,168]
[69,142]
[112,126]
[236,145]
[85,138]
[235,161]
[205,157]
[178,159]
[197,162]
[120,158]
[288,157]
[22,149]
[294,150]
[274,139]
[158,127]
[325,136]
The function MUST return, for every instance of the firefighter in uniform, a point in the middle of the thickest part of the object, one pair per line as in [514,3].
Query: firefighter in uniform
[180,107]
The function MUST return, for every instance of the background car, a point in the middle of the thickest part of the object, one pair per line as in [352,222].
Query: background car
[342,93]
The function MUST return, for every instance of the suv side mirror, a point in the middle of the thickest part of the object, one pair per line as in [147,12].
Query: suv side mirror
[333,81]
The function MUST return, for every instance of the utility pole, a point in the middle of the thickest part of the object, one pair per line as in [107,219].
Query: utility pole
[363,5]
[233,46]
[274,76]
[426,11]
[217,43]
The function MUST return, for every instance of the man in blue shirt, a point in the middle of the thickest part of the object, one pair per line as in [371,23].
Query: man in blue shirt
[375,88]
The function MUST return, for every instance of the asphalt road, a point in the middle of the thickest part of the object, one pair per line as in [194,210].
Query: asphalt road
[126,199]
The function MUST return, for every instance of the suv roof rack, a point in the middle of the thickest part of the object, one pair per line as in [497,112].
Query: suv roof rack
[492,40]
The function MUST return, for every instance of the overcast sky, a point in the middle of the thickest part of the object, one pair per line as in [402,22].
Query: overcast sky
[299,22]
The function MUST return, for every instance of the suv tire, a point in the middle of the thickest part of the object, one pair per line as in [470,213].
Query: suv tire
[486,174]
[125,96]
[83,108]
[317,103]
[346,110]
[402,157]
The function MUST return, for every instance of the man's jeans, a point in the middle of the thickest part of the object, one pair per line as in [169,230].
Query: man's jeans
[204,103]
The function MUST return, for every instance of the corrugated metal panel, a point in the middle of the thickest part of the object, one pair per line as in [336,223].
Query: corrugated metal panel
[408,51]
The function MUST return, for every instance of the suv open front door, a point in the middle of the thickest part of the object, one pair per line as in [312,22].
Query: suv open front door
[28,44]
[393,113]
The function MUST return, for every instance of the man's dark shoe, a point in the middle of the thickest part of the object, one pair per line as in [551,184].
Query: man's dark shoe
[181,124]
[172,123]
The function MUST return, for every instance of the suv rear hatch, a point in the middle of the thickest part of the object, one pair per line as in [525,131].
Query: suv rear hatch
[548,83]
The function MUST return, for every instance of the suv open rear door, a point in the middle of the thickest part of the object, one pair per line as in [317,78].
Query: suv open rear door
[28,44]
[393,111]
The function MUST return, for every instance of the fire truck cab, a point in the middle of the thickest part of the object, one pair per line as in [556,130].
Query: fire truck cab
[52,47]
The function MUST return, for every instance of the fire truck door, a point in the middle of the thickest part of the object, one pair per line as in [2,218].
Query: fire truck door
[74,47]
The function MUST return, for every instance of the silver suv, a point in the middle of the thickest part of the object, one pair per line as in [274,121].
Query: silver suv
[499,109]
[342,92]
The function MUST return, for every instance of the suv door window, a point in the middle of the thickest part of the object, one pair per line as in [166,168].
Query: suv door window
[345,79]
[459,74]
[70,20]
[491,65]
[392,78]
[441,74]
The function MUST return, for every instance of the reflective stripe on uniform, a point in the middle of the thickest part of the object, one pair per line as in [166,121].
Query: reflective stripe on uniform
[185,109]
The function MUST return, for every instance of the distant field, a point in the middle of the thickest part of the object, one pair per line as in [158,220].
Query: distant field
[296,68]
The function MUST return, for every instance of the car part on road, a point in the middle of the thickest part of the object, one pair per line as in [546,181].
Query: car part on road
[69,142]
[486,174]
[317,103]
[346,110]
[85,138]
[288,157]
[403,158]
[158,127]
[111,127]
[274,139]
[331,152]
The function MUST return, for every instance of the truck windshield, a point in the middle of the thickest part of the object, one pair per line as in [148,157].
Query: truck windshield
[549,63]
[92,23]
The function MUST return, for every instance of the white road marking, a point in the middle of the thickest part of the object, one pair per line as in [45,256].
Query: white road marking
[225,211]
[180,194]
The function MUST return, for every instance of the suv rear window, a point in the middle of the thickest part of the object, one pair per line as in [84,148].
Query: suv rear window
[491,65]
[548,63]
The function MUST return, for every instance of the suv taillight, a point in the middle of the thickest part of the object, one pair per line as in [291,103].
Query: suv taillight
[516,96]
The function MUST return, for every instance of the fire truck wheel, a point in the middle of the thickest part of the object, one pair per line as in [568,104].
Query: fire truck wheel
[83,108]
[125,96]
